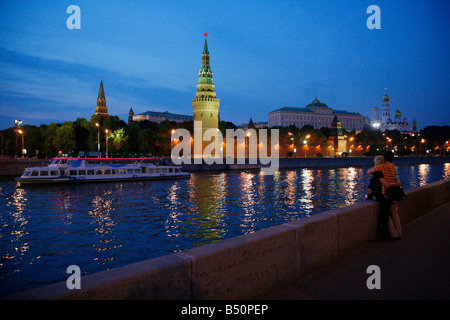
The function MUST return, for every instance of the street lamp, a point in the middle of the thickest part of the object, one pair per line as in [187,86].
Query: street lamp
[17,123]
[420,146]
[293,144]
[98,138]
[106,132]
[305,142]
[21,132]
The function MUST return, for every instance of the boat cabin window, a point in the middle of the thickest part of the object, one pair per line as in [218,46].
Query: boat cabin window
[82,172]
[98,172]
[137,170]
[129,171]
[73,172]
[53,173]
[43,173]
[34,174]
[107,171]
[27,173]
[90,172]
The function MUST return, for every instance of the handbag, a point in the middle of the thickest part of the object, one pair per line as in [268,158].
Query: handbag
[395,194]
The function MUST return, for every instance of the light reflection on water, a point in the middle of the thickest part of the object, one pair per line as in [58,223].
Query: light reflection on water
[102,226]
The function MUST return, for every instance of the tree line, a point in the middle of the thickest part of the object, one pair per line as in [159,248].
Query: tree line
[143,138]
[146,138]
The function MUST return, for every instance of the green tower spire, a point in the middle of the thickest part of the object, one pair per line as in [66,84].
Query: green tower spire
[101,91]
[205,75]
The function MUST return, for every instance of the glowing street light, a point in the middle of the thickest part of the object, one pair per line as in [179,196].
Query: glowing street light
[420,146]
[305,142]
[21,132]
[17,123]
[293,143]
[106,133]
[98,138]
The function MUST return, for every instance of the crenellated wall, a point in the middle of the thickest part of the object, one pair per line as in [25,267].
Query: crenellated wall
[248,266]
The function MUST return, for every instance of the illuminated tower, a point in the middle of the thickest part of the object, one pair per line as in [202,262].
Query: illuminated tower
[101,109]
[337,137]
[205,104]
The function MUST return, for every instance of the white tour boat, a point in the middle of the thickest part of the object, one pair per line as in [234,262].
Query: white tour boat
[69,170]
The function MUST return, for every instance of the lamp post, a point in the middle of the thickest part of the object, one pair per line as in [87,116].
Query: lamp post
[420,146]
[171,140]
[106,133]
[21,132]
[98,138]
[17,123]
[305,142]
[293,144]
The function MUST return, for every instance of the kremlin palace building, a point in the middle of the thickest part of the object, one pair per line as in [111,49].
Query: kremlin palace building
[316,114]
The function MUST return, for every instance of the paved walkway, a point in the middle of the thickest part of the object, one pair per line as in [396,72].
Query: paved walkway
[415,267]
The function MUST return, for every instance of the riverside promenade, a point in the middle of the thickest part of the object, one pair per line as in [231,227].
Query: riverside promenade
[417,267]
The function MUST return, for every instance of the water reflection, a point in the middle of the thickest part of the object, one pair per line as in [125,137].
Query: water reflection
[247,201]
[205,218]
[446,173]
[307,196]
[349,184]
[423,174]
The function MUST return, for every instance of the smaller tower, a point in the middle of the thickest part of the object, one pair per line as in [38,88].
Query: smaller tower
[101,109]
[130,115]
[337,137]
[414,124]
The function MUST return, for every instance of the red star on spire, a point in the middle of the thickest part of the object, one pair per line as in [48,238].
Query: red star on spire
[206,34]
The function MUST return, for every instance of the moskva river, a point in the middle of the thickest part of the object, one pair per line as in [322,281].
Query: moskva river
[45,229]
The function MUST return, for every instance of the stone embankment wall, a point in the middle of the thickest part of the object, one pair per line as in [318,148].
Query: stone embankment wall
[248,266]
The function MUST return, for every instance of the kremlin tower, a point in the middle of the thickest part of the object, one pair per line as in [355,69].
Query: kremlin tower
[101,109]
[205,104]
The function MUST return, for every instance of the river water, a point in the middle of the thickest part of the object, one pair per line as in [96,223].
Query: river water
[102,226]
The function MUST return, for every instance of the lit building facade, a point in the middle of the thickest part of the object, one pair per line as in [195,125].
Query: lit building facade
[316,114]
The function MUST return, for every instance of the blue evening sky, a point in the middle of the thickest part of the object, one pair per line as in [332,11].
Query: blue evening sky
[264,55]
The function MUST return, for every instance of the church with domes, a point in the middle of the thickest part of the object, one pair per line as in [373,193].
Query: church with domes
[387,123]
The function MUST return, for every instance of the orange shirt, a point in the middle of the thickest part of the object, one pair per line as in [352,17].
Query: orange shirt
[389,171]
